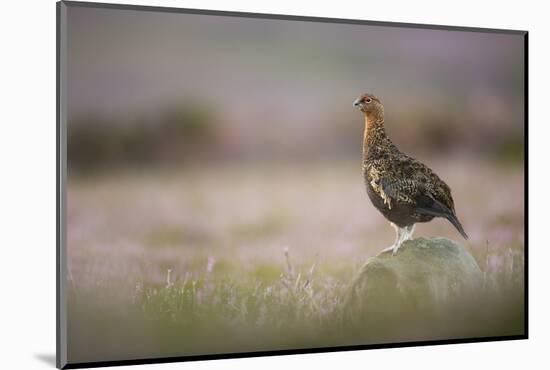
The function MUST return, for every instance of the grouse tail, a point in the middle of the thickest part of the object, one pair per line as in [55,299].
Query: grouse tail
[454,220]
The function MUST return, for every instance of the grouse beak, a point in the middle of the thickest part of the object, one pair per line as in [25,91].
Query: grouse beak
[357,102]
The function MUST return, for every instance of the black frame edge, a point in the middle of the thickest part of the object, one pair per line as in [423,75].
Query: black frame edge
[61,317]
[526,183]
[58,363]
[221,356]
[285,17]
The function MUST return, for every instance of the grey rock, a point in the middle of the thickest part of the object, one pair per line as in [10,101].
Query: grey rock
[424,279]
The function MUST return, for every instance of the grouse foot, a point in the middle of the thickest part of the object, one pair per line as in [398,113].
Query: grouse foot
[402,234]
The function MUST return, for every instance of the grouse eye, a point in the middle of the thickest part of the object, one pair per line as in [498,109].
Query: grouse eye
[368,100]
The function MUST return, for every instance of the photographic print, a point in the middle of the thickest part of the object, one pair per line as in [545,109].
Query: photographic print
[237,184]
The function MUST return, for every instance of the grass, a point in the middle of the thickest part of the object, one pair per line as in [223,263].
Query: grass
[252,259]
[224,310]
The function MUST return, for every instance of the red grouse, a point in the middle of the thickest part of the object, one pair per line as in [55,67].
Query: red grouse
[403,189]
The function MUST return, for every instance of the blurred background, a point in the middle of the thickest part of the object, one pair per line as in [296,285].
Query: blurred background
[203,144]
[152,88]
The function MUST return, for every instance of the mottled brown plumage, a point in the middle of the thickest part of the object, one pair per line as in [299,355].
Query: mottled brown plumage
[403,189]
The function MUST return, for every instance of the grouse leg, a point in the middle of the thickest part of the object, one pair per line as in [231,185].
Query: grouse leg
[402,234]
[409,230]
[397,243]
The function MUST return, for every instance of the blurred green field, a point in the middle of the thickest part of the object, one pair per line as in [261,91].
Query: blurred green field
[183,261]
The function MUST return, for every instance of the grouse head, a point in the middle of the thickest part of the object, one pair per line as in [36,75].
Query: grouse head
[370,105]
